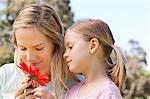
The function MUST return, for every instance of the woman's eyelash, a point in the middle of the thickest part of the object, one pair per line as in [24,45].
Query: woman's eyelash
[23,49]
[39,48]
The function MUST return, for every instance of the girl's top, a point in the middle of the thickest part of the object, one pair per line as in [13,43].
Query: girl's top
[106,90]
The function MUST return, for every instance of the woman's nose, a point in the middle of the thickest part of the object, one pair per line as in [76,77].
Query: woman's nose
[31,57]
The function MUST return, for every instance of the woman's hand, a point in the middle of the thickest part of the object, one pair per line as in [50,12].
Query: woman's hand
[21,92]
[30,91]
[42,93]
[38,93]
[25,90]
[29,94]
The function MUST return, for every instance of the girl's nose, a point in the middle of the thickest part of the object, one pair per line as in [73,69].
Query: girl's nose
[65,55]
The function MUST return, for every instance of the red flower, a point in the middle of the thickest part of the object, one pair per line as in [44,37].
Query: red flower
[35,75]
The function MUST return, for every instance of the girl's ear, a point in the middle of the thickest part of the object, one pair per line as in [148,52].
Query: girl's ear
[94,45]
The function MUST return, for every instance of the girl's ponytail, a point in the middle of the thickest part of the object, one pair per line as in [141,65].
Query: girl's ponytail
[118,72]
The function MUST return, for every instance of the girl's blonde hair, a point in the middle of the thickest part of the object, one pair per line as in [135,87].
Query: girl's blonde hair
[44,18]
[93,28]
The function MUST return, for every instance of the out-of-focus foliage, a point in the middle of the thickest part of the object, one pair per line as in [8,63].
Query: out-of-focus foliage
[11,9]
[138,78]
[6,54]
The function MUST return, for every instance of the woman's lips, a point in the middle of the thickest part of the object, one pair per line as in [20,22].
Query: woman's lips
[35,64]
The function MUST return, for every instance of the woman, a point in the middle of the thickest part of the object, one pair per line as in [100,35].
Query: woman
[38,40]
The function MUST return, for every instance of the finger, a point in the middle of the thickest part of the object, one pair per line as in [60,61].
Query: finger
[31,96]
[38,94]
[27,79]
[29,91]
[22,96]
[34,85]
[42,93]
[22,88]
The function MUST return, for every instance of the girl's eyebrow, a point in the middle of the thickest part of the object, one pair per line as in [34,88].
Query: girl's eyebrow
[68,42]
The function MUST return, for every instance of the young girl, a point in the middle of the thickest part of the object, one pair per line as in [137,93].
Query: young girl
[89,44]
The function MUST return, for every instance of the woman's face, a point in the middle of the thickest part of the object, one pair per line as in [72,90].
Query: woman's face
[34,48]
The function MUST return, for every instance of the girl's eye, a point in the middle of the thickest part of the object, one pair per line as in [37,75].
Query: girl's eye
[70,47]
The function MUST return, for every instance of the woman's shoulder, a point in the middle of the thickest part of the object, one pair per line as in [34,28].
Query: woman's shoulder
[7,71]
[9,79]
[8,68]
[9,64]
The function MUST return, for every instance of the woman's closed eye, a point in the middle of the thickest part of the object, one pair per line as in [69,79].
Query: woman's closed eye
[23,49]
[39,49]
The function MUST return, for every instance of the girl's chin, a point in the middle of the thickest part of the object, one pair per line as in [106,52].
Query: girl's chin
[72,69]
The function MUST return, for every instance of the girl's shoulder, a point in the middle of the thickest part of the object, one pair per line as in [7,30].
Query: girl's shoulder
[110,89]
[75,85]
[72,83]
[110,86]
[72,90]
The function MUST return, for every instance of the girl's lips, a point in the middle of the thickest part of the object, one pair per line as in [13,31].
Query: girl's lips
[68,62]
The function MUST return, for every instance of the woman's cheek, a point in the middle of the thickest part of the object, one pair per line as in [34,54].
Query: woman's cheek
[22,56]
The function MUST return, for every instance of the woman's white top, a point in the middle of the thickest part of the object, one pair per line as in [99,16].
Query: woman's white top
[11,78]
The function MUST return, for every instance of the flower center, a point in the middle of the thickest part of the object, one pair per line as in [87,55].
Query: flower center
[32,77]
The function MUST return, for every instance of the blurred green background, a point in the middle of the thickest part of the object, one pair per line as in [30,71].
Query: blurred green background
[138,79]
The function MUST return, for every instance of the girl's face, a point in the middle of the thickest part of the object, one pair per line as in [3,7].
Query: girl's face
[77,52]
[34,48]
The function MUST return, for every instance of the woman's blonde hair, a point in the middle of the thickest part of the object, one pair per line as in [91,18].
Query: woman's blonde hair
[44,18]
[94,28]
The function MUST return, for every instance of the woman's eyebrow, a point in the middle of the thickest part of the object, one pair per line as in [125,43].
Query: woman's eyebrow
[33,46]
[39,44]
